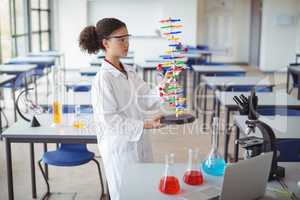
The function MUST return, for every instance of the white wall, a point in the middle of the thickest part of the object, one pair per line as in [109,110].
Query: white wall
[241,31]
[187,11]
[70,18]
[278,42]
[233,35]
[141,16]
[142,19]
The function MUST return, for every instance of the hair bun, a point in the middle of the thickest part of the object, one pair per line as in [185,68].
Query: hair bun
[88,40]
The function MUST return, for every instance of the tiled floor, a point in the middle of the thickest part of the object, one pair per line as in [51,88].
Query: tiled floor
[82,182]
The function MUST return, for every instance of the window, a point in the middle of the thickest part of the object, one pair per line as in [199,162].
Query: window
[19,27]
[26,27]
[40,18]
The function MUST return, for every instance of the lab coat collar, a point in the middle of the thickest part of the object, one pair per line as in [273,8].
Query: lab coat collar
[115,72]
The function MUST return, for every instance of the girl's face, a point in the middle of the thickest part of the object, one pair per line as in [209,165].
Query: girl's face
[117,43]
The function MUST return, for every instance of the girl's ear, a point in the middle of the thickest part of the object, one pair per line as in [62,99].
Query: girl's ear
[105,43]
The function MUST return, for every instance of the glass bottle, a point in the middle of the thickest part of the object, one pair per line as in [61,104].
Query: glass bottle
[193,175]
[214,163]
[169,183]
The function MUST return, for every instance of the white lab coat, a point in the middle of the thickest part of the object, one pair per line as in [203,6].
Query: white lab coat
[120,106]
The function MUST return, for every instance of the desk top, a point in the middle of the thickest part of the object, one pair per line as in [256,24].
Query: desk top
[283,126]
[278,98]
[148,65]
[22,130]
[154,60]
[149,175]
[217,68]
[192,55]
[16,68]
[4,78]
[226,81]
[33,60]
[46,53]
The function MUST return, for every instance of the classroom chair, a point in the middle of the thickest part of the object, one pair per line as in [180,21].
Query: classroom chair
[69,155]
[289,150]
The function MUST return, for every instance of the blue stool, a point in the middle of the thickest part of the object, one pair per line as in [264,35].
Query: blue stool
[202,47]
[68,155]
[79,88]
[289,150]
[88,73]
[82,88]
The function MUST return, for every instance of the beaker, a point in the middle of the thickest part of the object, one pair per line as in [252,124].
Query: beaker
[169,183]
[215,163]
[193,175]
[79,120]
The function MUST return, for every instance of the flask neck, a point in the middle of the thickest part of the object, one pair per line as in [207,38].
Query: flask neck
[215,136]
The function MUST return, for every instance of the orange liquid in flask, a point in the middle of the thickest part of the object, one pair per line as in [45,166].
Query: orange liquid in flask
[169,185]
[193,177]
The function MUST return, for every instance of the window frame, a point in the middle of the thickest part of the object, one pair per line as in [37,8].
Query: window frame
[28,29]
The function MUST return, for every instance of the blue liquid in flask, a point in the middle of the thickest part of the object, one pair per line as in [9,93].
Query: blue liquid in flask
[214,164]
[215,167]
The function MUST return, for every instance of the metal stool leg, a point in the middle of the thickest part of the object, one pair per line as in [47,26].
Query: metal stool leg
[101,179]
[47,194]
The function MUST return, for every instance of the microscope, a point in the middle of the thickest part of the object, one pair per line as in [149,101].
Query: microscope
[254,146]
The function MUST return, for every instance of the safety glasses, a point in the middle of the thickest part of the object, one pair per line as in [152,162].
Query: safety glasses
[120,38]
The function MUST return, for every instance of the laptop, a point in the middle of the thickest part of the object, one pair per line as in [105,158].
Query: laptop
[244,180]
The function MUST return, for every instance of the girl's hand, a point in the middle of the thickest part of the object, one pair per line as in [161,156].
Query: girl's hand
[158,118]
[152,124]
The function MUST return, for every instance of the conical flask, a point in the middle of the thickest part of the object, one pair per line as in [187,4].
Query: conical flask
[214,163]
[169,183]
[193,175]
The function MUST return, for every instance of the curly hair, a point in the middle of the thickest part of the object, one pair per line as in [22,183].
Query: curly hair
[91,37]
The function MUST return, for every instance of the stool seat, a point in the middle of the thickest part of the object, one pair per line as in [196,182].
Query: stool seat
[65,156]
